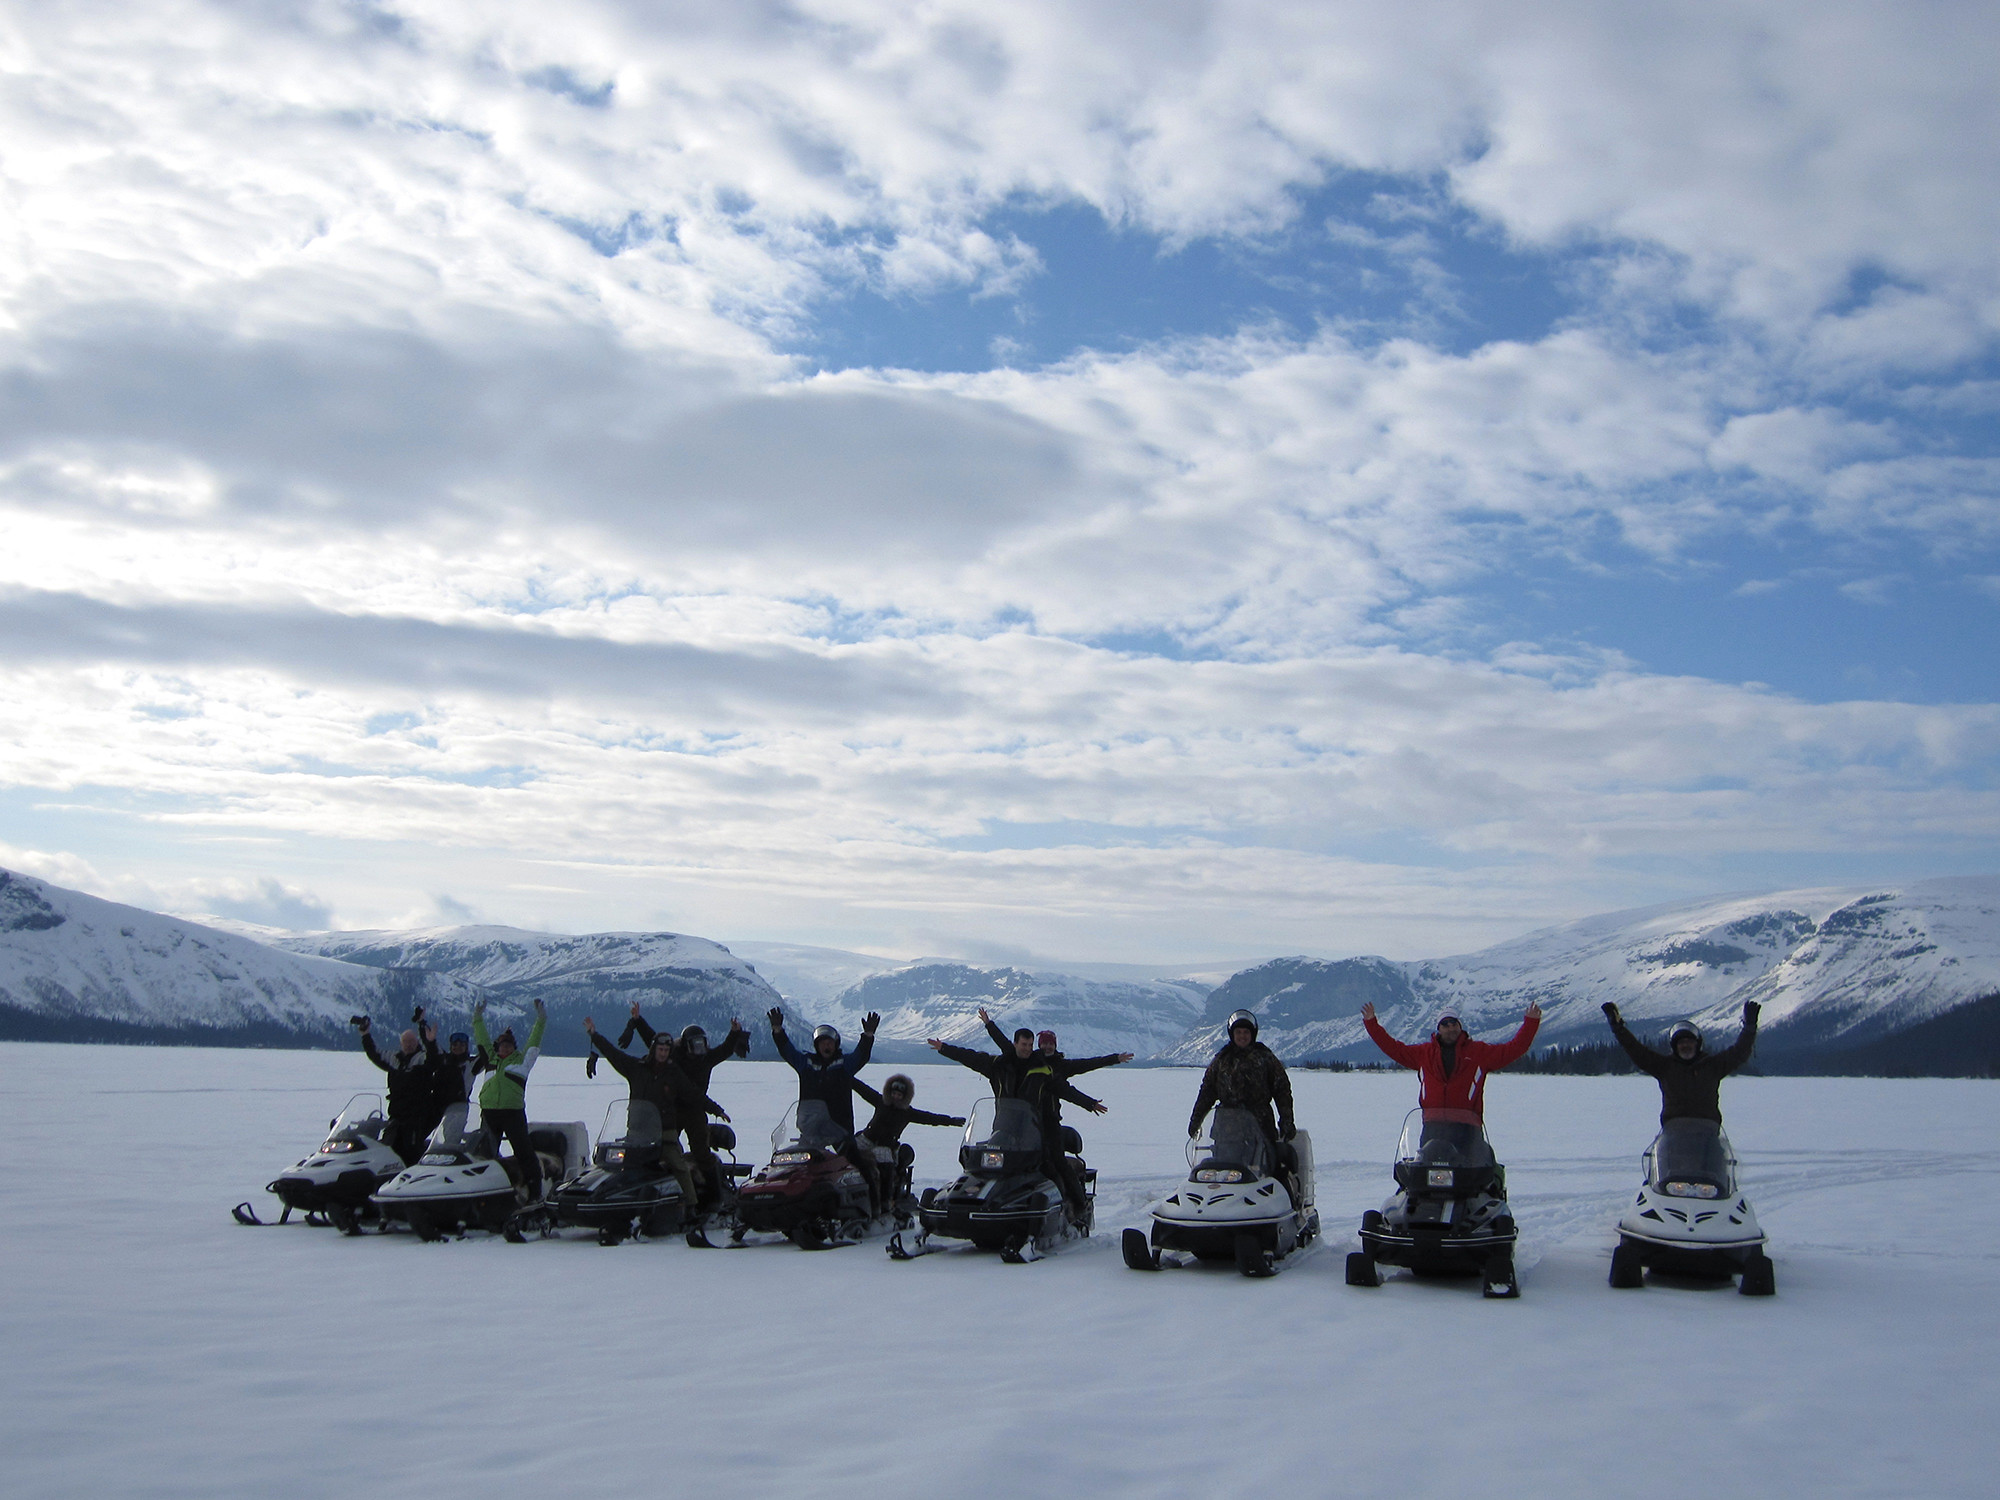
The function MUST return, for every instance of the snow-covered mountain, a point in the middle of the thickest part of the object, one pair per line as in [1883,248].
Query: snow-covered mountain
[806,975]
[676,979]
[1833,968]
[938,998]
[74,967]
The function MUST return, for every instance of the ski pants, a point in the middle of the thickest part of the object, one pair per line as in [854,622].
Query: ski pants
[1062,1171]
[512,1125]
[703,1156]
[677,1163]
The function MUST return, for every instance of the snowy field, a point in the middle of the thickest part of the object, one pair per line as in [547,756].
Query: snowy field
[154,1347]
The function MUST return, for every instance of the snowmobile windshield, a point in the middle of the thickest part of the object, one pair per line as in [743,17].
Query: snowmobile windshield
[362,1117]
[1233,1139]
[631,1122]
[1003,1125]
[807,1126]
[1691,1159]
[460,1130]
[1443,1143]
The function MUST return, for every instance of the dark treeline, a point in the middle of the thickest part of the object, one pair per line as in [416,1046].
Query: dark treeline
[1579,1057]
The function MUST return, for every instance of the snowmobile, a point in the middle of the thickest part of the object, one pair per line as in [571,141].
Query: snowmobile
[1448,1215]
[1691,1217]
[629,1189]
[809,1193]
[1004,1200]
[334,1184]
[462,1182]
[1245,1201]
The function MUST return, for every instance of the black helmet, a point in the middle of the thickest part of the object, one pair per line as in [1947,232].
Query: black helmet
[901,1081]
[1242,1018]
[692,1034]
[822,1032]
[1681,1029]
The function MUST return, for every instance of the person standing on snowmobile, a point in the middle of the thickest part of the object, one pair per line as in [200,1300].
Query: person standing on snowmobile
[1247,1075]
[698,1060]
[1020,1072]
[1452,1069]
[412,1085]
[503,1102]
[894,1112]
[1690,1082]
[657,1080]
[454,1077]
[828,1074]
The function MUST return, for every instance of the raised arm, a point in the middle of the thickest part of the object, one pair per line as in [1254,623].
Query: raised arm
[1737,1053]
[636,1025]
[981,1063]
[1000,1038]
[1397,1052]
[783,1043]
[621,1061]
[865,1092]
[1644,1058]
[1499,1054]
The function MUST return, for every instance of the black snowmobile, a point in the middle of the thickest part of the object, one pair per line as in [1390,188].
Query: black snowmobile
[629,1189]
[1448,1215]
[1004,1200]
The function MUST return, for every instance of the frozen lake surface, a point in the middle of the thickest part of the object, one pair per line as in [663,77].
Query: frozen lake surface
[154,1347]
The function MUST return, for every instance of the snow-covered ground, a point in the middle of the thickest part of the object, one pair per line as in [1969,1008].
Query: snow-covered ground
[153,1347]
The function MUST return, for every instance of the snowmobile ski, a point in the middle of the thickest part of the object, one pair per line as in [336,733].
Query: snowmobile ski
[1139,1253]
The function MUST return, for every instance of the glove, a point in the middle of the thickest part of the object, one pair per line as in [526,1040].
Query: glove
[1286,1130]
[417,1014]
[777,1018]
[590,1066]
[479,1007]
[361,1021]
[1194,1128]
[1611,1013]
[956,1119]
[541,1009]
[870,1021]
[1752,1010]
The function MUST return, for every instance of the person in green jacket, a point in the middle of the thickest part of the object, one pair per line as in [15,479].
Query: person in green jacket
[503,1102]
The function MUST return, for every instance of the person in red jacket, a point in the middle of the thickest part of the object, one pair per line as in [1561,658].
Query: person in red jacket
[1452,1068]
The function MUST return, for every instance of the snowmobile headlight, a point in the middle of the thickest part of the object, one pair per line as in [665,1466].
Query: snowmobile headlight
[614,1156]
[1218,1174]
[1689,1189]
[334,1148]
[993,1160]
[791,1158]
[1441,1177]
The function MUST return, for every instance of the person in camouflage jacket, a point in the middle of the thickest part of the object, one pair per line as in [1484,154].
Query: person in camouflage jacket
[1247,1075]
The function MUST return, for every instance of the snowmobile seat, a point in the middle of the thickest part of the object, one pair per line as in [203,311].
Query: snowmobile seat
[1288,1159]
[721,1137]
[549,1143]
[1071,1141]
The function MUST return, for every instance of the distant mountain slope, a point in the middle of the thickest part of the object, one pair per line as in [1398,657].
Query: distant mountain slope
[676,979]
[74,967]
[1832,968]
[804,974]
[1089,1016]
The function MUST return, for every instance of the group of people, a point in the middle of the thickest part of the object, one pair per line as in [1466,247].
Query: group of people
[672,1074]
[426,1085]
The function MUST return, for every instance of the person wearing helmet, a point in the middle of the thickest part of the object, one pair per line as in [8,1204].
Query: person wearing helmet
[1690,1080]
[1021,1072]
[1452,1068]
[503,1102]
[657,1080]
[453,1078]
[412,1070]
[895,1111]
[694,1057]
[827,1074]
[1246,1074]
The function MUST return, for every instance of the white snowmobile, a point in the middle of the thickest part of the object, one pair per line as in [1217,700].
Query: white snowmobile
[1691,1217]
[334,1184]
[1448,1215]
[1244,1201]
[461,1181]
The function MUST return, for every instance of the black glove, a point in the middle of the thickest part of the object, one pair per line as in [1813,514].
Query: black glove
[1751,1011]
[777,1018]
[361,1021]
[1610,1013]
[1286,1130]
[870,1021]
[1194,1127]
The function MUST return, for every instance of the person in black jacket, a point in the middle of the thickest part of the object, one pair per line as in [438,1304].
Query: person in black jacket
[657,1080]
[1690,1080]
[894,1112]
[412,1088]
[454,1075]
[698,1060]
[828,1073]
[1020,1072]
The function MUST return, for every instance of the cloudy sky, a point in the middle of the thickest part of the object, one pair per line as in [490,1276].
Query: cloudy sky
[1157,481]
